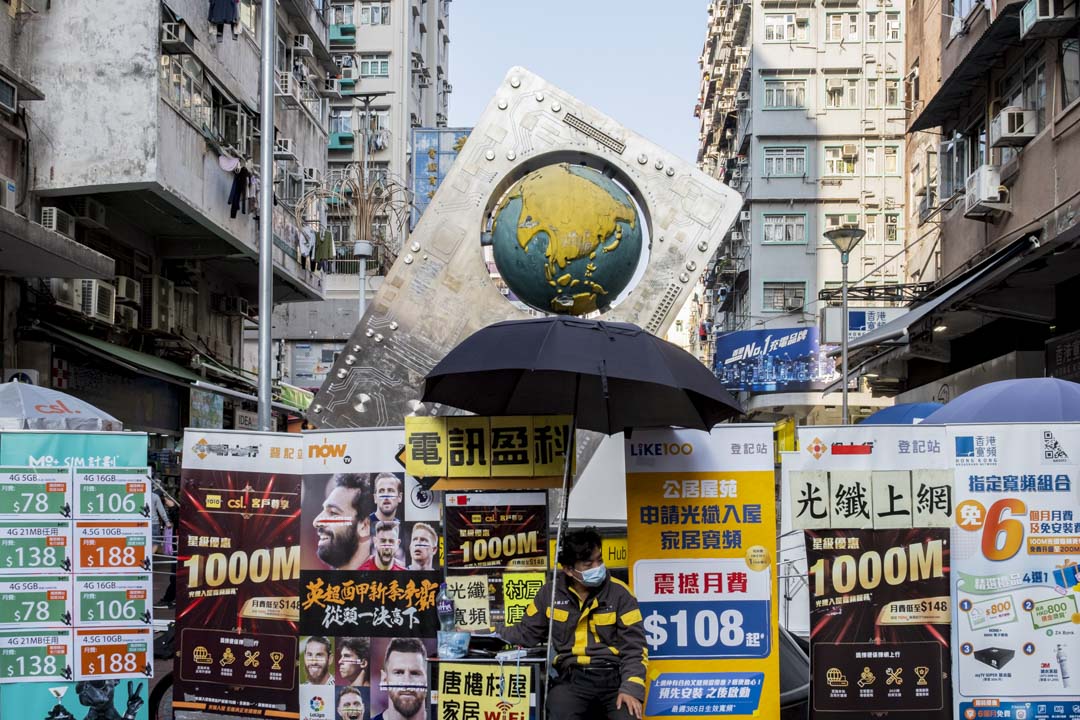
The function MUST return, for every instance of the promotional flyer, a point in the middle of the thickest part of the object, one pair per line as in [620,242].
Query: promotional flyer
[1016,550]
[495,530]
[238,578]
[701,524]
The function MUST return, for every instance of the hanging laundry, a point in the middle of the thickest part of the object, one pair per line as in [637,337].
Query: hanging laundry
[228,163]
[225,12]
[238,193]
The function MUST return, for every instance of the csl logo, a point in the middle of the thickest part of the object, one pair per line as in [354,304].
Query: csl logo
[660,449]
[56,408]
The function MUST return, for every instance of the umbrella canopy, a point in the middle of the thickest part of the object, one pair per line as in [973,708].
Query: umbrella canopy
[903,414]
[610,376]
[1024,400]
[29,407]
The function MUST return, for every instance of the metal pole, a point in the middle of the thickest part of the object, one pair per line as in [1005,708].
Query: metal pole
[843,338]
[268,36]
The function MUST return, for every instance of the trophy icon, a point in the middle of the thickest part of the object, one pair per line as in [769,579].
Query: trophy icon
[58,711]
[921,671]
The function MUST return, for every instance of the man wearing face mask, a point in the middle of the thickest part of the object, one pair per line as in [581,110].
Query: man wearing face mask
[598,638]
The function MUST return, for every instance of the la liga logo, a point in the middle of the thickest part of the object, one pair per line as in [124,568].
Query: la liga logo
[317,704]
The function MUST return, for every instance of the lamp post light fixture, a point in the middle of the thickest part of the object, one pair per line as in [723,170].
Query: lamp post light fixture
[845,238]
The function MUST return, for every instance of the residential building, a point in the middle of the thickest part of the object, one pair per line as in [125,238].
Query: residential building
[133,124]
[1001,208]
[393,76]
[802,111]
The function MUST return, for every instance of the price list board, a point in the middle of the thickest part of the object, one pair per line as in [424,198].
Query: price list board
[112,546]
[35,547]
[43,601]
[38,493]
[114,653]
[35,656]
[112,600]
[112,493]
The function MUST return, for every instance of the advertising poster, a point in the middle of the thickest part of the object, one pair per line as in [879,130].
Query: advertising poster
[41,449]
[112,600]
[112,546]
[518,591]
[484,691]
[400,678]
[113,493]
[370,571]
[701,522]
[114,653]
[35,547]
[1016,550]
[434,151]
[41,601]
[34,656]
[488,530]
[41,493]
[89,700]
[774,360]
[238,578]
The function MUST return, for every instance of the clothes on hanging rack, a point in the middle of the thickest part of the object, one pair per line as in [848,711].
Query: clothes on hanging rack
[238,192]
[225,12]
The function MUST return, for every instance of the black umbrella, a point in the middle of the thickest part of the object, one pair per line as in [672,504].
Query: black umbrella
[610,376]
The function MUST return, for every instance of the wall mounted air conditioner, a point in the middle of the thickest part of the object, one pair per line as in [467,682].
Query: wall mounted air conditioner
[850,150]
[982,193]
[1013,126]
[128,290]
[330,88]
[744,216]
[350,73]
[301,46]
[9,193]
[1046,18]
[157,311]
[98,300]
[89,212]
[312,176]
[742,97]
[58,221]
[736,236]
[234,305]
[66,292]
[283,149]
[127,317]
[834,85]
[177,39]
[286,88]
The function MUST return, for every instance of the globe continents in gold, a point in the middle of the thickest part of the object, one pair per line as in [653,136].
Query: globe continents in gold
[566,239]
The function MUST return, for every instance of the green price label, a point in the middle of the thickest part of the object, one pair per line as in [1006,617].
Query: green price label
[120,492]
[35,546]
[36,601]
[112,606]
[1054,611]
[34,492]
[39,659]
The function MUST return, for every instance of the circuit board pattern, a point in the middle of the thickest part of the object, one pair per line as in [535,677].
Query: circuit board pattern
[439,291]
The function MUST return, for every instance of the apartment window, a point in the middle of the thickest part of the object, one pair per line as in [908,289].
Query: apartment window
[892,92]
[184,84]
[870,160]
[873,93]
[892,228]
[873,29]
[1069,61]
[842,27]
[785,161]
[871,227]
[375,13]
[378,172]
[375,65]
[784,296]
[785,94]
[953,165]
[784,228]
[249,16]
[1024,85]
[378,120]
[342,15]
[893,33]
[341,120]
[892,160]
[842,92]
[784,27]
[836,163]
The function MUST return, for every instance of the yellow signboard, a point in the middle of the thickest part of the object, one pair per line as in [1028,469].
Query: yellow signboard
[482,447]
[518,591]
[474,690]
[615,553]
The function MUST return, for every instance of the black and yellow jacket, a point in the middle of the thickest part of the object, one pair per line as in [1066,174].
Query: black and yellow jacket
[604,628]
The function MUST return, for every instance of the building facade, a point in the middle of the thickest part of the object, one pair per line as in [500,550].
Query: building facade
[140,147]
[802,111]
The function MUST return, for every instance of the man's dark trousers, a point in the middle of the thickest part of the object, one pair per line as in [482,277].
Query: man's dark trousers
[584,694]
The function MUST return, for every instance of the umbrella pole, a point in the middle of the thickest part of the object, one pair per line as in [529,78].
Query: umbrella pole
[564,505]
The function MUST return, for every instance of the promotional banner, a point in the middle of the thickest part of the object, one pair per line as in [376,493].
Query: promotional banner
[434,151]
[41,493]
[484,691]
[370,603]
[1015,585]
[238,579]
[496,530]
[702,537]
[773,360]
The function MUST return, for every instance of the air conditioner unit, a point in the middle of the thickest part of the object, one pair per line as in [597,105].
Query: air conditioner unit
[331,88]
[1013,126]
[1046,18]
[27,376]
[736,236]
[9,96]
[301,46]
[66,292]
[920,189]
[233,305]
[157,312]
[744,216]
[283,149]
[982,193]
[9,193]
[127,317]
[128,290]
[802,16]
[58,221]
[350,73]
[177,39]
[793,305]
[98,300]
[312,176]
[287,89]
[742,97]
[851,219]
[850,150]
[89,212]
[834,85]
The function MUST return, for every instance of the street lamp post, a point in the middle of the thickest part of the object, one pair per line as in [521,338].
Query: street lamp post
[845,239]
[363,247]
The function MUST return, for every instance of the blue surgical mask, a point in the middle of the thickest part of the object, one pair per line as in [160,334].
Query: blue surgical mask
[593,577]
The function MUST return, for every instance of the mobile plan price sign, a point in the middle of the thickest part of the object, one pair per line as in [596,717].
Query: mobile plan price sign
[43,601]
[41,493]
[111,600]
[111,493]
[1016,540]
[35,656]
[112,546]
[35,547]
[701,521]
[114,653]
